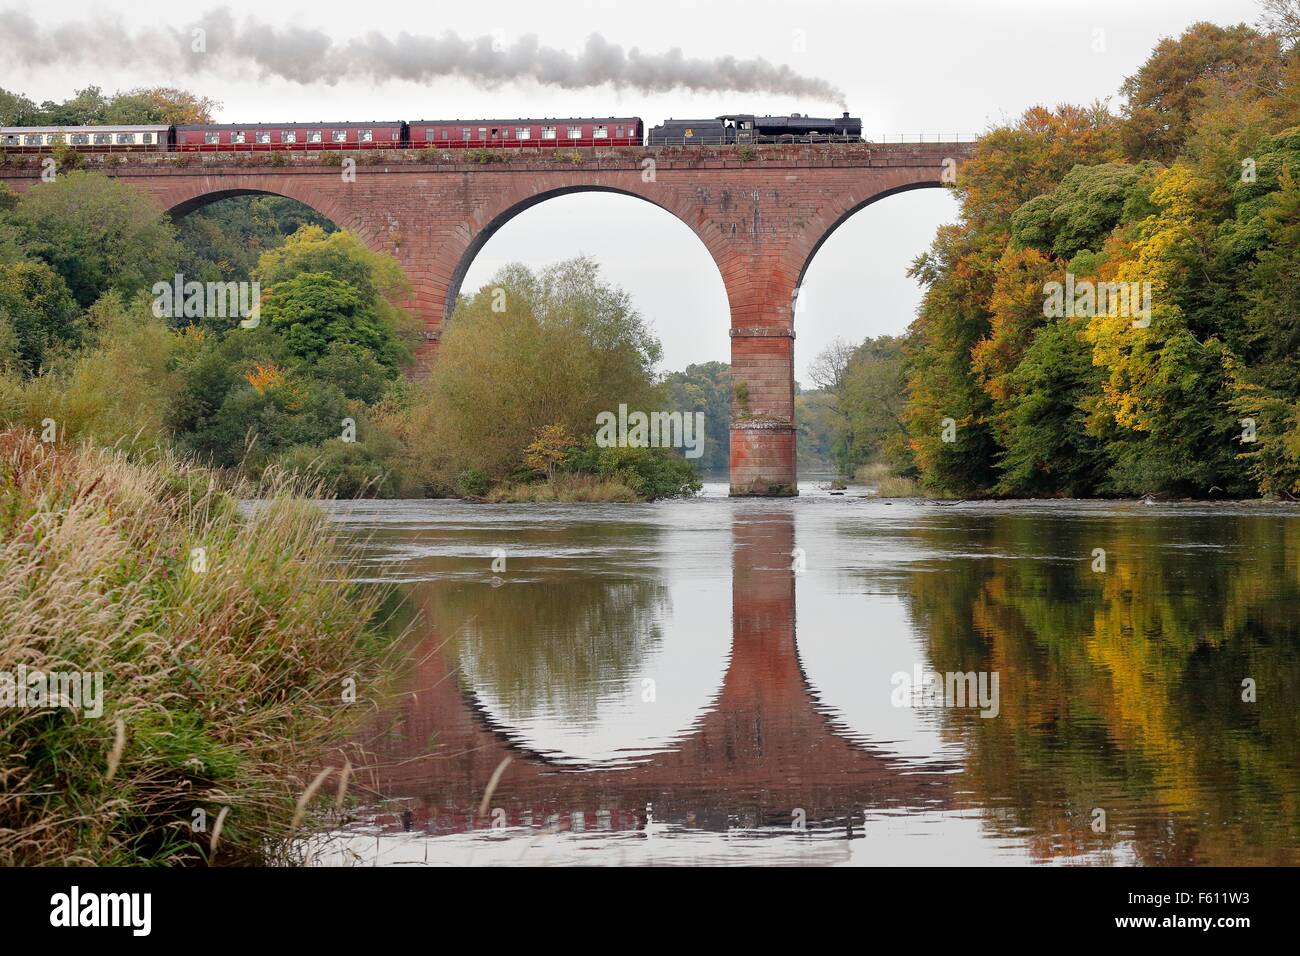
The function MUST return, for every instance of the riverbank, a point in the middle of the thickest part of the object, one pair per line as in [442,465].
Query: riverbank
[195,664]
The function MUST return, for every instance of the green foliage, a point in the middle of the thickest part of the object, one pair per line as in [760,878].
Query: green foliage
[346,469]
[706,388]
[90,107]
[1099,404]
[223,242]
[313,311]
[651,473]
[1048,447]
[99,234]
[377,322]
[37,316]
[526,351]
[1080,213]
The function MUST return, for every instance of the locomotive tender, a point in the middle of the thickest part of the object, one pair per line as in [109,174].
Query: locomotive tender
[735,129]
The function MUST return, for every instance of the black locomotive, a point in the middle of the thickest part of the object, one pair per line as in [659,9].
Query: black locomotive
[746,128]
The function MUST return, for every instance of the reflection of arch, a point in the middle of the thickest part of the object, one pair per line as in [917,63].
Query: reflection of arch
[467,247]
[767,741]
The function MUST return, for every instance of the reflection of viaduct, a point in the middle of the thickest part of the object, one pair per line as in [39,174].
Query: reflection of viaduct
[762,214]
[763,749]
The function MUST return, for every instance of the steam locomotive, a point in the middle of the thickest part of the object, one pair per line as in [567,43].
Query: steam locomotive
[433,134]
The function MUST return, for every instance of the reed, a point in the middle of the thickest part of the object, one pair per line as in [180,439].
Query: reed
[225,637]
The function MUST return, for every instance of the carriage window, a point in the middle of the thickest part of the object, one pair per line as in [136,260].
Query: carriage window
[212,138]
[125,139]
[80,139]
[262,136]
[146,138]
[575,132]
[289,136]
[548,132]
[11,139]
[523,132]
[32,140]
[464,132]
[600,132]
[618,132]
[428,135]
[367,135]
[339,136]
[482,132]
[446,134]
[314,136]
[237,136]
[102,139]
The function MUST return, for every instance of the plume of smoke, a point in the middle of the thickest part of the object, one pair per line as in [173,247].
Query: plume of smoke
[218,41]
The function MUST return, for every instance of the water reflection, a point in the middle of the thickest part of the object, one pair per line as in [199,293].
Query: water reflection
[642,669]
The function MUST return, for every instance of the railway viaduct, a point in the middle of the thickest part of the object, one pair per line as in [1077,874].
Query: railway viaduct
[762,212]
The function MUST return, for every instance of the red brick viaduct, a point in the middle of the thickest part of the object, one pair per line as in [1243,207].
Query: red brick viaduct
[762,212]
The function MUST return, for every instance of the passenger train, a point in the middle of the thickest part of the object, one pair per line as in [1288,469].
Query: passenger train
[433,134]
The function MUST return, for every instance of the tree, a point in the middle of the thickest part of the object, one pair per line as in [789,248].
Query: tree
[705,388]
[1049,449]
[1166,93]
[313,311]
[378,280]
[99,234]
[530,350]
[39,313]
[548,449]
[875,393]
[829,373]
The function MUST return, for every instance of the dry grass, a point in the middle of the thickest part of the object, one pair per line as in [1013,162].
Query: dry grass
[563,488]
[888,484]
[222,689]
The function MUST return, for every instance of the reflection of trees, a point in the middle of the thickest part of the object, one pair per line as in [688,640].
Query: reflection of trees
[578,608]
[554,645]
[1122,689]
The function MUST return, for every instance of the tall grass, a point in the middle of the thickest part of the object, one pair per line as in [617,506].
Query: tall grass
[563,488]
[223,688]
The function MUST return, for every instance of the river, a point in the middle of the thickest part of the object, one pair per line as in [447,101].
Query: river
[745,681]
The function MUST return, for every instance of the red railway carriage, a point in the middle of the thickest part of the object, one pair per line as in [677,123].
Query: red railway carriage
[255,137]
[507,133]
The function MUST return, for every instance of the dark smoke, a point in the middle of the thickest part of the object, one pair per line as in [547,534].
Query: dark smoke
[311,56]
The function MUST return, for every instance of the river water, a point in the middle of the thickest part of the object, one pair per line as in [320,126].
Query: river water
[745,681]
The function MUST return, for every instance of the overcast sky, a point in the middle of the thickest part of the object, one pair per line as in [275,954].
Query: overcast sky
[903,67]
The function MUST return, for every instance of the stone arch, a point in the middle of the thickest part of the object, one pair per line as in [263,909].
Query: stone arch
[181,196]
[843,209]
[453,261]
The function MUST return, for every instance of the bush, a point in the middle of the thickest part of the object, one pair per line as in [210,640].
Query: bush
[343,469]
[651,473]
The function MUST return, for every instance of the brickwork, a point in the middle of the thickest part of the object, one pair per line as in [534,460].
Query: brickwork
[761,214]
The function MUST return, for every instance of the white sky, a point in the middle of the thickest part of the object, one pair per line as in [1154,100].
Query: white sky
[906,67]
